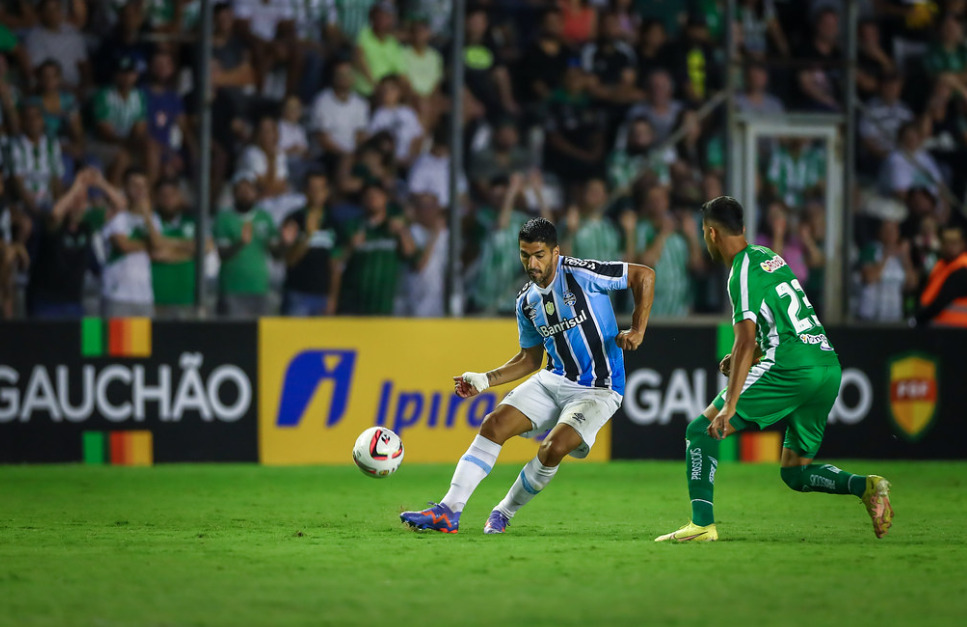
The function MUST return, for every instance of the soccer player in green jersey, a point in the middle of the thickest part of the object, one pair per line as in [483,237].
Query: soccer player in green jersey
[782,367]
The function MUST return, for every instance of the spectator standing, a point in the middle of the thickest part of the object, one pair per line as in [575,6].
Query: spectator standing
[430,173]
[886,272]
[501,159]
[268,164]
[173,262]
[167,123]
[293,140]
[812,234]
[588,233]
[881,121]
[654,50]
[498,275]
[36,164]
[755,97]
[546,62]
[339,116]
[65,249]
[399,119]
[486,77]
[819,83]
[58,40]
[781,234]
[612,70]
[944,301]
[59,107]
[574,147]
[759,25]
[696,71]
[378,53]
[639,158]
[121,119]
[909,165]
[872,60]
[654,236]
[246,236]
[313,259]
[661,110]
[269,29]
[129,238]
[424,72]
[377,245]
[796,173]
[947,55]
[126,40]
[422,286]
[14,231]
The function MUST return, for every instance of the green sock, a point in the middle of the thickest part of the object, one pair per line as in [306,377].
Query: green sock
[702,453]
[823,478]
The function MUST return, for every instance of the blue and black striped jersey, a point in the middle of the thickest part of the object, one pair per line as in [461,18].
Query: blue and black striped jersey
[574,319]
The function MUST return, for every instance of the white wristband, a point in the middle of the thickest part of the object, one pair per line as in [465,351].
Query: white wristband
[477,380]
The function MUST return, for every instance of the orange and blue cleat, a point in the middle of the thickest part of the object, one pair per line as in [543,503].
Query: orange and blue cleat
[438,517]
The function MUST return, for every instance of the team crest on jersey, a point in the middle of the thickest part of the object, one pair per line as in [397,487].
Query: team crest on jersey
[570,299]
[549,308]
[773,264]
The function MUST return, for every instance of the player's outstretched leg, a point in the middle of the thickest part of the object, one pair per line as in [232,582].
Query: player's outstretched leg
[475,464]
[498,427]
[535,476]
[701,461]
[872,489]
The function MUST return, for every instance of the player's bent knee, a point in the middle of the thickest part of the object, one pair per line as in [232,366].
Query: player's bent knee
[697,428]
[792,477]
[495,429]
[552,451]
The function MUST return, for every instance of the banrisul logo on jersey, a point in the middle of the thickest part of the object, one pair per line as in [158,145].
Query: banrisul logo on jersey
[913,393]
[322,382]
[127,391]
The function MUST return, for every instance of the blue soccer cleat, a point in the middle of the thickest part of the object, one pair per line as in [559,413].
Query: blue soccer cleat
[497,523]
[438,517]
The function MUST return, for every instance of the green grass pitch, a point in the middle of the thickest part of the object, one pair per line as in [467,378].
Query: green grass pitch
[249,545]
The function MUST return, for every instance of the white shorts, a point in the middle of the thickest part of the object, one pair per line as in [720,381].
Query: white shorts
[548,399]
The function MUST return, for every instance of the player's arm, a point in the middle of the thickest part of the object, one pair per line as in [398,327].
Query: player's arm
[520,365]
[743,354]
[641,280]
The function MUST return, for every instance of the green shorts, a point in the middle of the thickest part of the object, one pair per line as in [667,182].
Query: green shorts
[803,397]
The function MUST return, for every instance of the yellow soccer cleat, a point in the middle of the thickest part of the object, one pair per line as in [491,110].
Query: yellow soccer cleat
[877,501]
[691,533]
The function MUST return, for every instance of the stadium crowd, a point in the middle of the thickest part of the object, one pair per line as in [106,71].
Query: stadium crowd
[330,155]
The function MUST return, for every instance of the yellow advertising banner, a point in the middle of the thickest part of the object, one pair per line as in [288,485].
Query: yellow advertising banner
[323,381]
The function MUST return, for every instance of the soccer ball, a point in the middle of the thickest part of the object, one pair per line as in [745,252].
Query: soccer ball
[378,452]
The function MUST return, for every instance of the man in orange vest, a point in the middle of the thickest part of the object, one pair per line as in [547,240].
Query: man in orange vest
[944,300]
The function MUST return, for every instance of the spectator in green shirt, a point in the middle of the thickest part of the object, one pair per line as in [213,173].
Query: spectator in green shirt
[588,234]
[378,53]
[246,236]
[121,119]
[947,56]
[378,246]
[173,263]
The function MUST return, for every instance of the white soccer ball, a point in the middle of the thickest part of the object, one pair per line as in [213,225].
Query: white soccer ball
[378,452]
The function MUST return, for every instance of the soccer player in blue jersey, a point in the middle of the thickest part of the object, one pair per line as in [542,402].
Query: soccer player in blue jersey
[565,311]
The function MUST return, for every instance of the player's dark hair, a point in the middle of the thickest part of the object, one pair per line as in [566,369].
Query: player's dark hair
[725,212]
[538,230]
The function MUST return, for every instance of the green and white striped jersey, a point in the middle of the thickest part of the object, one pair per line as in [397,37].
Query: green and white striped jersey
[793,175]
[764,290]
[121,112]
[37,163]
[673,282]
[597,238]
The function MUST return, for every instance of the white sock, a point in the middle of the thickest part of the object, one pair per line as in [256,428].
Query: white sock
[471,470]
[532,479]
